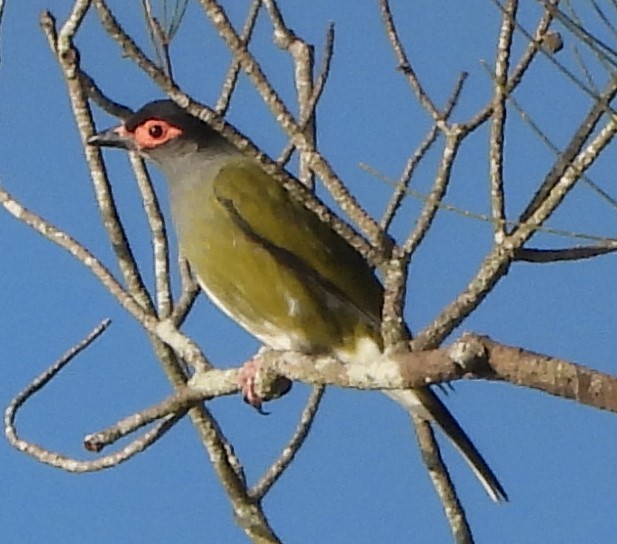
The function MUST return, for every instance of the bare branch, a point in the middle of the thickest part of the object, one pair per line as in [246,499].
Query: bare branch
[496,144]
[68,58]
[102,100]
[177,404]
[190,291]
[400,191]
[405,66]
[444,486]
[557,152]
[604,18]
[553,192]
[165,330]
[303,56]
[59,460]
[533,47]
[229,84]
[496,264]
[452,145]
[318,88]
[159,38]
[576,143]
[158,235]
[470,357]
[271,476]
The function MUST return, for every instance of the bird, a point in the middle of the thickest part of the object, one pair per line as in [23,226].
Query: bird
[267,261]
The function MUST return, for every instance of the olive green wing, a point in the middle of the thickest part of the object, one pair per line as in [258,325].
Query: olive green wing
[297,238]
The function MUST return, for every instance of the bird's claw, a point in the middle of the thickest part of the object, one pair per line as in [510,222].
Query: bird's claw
[247,377]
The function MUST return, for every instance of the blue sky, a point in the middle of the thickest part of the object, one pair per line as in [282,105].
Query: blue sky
[359,477]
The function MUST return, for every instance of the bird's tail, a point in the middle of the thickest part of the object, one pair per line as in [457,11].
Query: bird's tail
[424,402]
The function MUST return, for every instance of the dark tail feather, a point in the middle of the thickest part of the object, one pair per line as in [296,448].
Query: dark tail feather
[426,403]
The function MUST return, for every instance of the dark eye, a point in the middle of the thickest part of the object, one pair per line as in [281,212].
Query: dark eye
[155,131]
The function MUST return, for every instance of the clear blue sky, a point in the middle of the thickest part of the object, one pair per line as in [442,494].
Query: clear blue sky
[359,478]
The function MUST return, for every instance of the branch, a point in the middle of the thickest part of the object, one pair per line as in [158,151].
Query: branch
[470,357]
[496,144]
[533,48]
[566,159]
[231,79]
[308,111]
[303,55]
[496,264]
[444,486]
[59,460]
[272,474]
[61,44]
[405,66]
[402,187]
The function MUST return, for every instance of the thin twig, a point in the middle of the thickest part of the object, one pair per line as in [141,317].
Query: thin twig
[68,58]
[604,18]
[400,191]
[220,382]
[318,88]
[496,142]
[275,471]
[165,330]
[607,240]
[59,460]
[438,191]
[231,79]
[158,235]
[585,129]
[158,38]
[405,66]
[102,100]
[557,152]
[190,291]
[444,486]
[304,59]
[533,48]
[497,262]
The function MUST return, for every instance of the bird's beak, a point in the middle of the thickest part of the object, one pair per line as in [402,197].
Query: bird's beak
[113,137]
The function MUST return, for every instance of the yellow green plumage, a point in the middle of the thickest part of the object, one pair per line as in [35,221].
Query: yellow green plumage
[267,261]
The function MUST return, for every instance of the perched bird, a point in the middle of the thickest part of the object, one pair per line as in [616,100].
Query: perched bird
[267,261]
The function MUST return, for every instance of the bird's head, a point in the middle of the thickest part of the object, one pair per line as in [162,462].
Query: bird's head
[166,134]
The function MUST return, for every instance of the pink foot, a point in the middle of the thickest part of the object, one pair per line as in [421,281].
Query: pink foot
[246,381]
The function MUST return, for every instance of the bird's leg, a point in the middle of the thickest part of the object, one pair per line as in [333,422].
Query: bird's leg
[247,380]
[259,384]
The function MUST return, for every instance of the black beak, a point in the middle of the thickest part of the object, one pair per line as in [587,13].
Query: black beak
[113,137]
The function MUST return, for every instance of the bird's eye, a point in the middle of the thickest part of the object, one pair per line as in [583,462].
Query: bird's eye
[155,131]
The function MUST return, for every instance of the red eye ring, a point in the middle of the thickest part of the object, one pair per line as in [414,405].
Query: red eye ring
[153,133]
